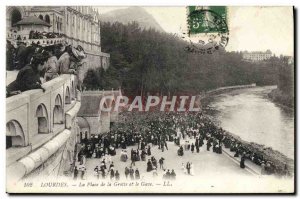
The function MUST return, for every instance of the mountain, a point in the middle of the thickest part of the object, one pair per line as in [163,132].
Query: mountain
[130,14]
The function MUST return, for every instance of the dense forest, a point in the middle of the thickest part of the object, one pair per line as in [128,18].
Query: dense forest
[145,61]
[284,94]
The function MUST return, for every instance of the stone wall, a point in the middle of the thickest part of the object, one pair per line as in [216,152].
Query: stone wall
[105,122]
[94,61]
[94,124]
[42,154]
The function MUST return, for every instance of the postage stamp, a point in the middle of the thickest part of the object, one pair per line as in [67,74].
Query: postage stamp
[207,28]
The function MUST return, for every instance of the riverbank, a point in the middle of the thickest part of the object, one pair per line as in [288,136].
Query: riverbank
[206,96]
[275,156]
[283,164]
[227,89]
[281,98]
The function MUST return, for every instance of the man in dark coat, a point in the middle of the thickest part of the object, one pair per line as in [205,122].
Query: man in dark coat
[112,174]
[143,145]
[28,77]
[188,168]
[126,172]
[20,55]
[208,145]
[117,175]
[161,163]
[242,163]
[197,147]
[149,151]
[162,146]
[143,155]
[192,147]
[10,51]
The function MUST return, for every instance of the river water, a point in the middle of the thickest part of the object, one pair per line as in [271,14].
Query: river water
[250,114]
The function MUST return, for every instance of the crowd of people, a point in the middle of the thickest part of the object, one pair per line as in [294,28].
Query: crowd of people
[145,132]
[37,64]
[33,34]
[44,35]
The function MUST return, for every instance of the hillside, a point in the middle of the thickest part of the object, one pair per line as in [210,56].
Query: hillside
[138,14]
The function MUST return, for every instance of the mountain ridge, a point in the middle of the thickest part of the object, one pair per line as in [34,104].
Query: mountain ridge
[130,14]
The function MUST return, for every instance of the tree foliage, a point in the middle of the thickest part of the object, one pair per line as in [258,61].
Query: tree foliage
[146,61]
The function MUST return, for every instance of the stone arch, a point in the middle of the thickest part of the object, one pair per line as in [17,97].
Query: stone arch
[58,112]
[41,17]
[42,116]
[84,127]
[67,96]
[14,134]
[15,16]
[47,19]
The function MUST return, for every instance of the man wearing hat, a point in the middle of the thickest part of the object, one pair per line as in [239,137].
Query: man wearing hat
[20,55]
[64,61]
[10,51]
[77,64]
[51,68]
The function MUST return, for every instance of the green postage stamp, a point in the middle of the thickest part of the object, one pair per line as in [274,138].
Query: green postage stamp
[207,19]
[207,29]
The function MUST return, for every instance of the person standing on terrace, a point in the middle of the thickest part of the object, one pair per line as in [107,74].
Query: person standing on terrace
[21,55]
[64,62]
[51,68]
[70,62]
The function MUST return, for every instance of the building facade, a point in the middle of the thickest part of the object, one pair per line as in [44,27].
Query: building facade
[257,56]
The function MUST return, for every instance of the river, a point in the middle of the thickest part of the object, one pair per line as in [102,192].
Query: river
[250,114]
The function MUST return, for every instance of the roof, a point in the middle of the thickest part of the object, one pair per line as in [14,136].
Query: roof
[32,20]
[90,102]
[258,52]
[82,123]
[90,105]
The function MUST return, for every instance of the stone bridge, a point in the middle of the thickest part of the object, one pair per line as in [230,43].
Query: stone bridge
[93,120]
[41,129]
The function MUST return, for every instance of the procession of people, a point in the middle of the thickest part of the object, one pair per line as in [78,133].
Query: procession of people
[135,139]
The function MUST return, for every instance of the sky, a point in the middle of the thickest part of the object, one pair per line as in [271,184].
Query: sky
[250,28]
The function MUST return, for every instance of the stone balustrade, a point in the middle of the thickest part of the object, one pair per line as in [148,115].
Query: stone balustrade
[39,123]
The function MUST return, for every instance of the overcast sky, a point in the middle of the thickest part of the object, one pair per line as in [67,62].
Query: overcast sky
[250,28]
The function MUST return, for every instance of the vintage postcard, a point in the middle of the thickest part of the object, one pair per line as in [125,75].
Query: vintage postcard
[140,100]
